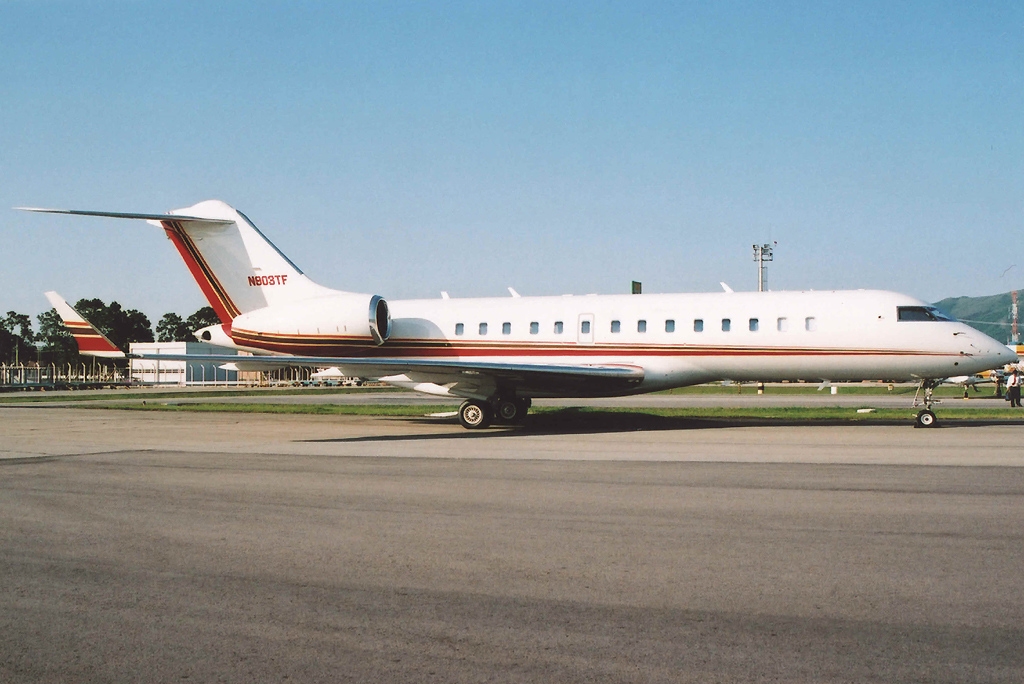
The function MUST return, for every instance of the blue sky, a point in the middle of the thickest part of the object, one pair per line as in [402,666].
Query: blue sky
[407,148]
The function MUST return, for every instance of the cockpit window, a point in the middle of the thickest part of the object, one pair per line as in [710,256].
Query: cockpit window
[921,313]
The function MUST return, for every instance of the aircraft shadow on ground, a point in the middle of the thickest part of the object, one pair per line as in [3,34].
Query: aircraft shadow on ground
[574,422]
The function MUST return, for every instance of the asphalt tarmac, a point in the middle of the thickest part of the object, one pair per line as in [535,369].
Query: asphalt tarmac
[140,546]
[745,396]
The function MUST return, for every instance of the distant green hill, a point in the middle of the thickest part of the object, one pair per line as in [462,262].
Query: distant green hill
[990,315]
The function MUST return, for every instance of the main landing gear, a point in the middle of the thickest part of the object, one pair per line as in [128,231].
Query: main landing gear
[926,417]
[475,414]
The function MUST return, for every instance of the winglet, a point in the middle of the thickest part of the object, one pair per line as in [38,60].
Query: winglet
[91,342]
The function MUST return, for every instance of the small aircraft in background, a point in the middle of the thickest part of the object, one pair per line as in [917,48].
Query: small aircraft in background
[995,377]
[499,353]
[967,382]
[90,341]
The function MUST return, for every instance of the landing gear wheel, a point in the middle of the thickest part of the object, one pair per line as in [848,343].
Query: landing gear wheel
[508,410]
[925,419]
[511,411]
[474,415]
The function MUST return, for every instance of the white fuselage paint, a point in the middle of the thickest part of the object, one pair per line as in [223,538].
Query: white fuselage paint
[812,336]
[266,303]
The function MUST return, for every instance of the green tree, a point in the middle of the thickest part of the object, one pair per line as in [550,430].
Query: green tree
[16,338]
[203,318]
[121,326]
[57,344]
[171,328]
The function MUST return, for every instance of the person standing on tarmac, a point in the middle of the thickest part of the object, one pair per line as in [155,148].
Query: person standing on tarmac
[1013,388]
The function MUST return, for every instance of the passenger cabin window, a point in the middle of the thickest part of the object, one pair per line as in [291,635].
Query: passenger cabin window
[921,313]
[585,327]
[616,326]
[698,325]
[753,325]
[558,327]
[534,327]
[641,326]
[810,324]
[726,324]
[783,324]
[459,328]
[670,325]
[483,328]
[506,328]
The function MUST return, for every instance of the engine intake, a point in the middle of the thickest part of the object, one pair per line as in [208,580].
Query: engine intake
[380,320]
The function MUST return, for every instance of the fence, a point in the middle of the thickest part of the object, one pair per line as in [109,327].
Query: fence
[81,376]
[54,376]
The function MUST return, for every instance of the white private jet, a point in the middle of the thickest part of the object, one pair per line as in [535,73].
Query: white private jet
[499,353]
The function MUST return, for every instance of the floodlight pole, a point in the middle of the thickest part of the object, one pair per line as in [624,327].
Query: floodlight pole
[762,255]
[1014,336]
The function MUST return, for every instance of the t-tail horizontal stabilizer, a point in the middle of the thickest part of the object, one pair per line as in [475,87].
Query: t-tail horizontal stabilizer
[237,268]
[126,215]
[91,342]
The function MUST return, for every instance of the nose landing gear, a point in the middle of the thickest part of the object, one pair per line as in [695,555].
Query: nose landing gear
[926,417]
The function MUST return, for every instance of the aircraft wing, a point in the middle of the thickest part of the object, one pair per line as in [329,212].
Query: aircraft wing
[463,378]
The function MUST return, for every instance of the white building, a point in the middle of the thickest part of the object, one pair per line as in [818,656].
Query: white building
[181,373]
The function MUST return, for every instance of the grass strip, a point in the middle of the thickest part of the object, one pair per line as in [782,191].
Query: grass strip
[789,389]
[27,397]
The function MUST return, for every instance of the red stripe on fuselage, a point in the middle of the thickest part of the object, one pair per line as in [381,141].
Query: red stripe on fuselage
[361,348]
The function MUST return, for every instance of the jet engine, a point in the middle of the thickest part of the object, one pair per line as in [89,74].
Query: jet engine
[342,318]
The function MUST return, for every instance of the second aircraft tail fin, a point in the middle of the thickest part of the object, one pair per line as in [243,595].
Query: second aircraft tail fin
[90,341]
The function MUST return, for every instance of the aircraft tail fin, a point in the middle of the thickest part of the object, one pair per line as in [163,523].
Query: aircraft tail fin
[237,268]
[90,341]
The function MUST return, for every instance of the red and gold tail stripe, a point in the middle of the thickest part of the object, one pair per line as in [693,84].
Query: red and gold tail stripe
[212,288]
[88,338]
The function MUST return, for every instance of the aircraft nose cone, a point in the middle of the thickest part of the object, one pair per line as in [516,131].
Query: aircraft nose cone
[1014,358]
[991,353]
